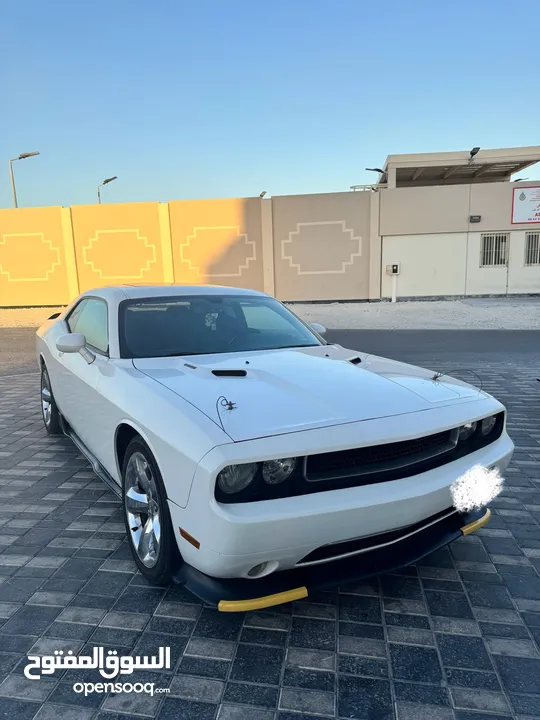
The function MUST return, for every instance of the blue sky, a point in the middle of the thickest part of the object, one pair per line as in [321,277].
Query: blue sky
[186,99]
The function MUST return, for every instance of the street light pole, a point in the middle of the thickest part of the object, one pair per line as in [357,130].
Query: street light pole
[23,156]
[108,180]
[14,192]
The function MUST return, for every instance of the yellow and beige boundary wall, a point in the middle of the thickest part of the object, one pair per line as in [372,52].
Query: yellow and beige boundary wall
[331,246]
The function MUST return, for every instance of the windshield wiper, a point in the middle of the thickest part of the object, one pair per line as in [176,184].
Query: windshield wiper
[291,347]
[184,354]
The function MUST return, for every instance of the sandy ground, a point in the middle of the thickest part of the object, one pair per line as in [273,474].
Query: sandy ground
[504,313]
[470,314]
[26,317]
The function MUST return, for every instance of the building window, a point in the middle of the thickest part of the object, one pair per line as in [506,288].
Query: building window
[494,250]
[532,248]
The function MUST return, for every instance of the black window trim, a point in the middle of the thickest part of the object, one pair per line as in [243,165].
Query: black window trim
[90,346]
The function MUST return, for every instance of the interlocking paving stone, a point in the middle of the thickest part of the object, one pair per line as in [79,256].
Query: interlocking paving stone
[192,688]
[423,694]
[415,663]
[409,711]
[237,712]
[309,679]
[367,667]
[360,697]
[460,651]
[485,700]
[456,637]
[203,667]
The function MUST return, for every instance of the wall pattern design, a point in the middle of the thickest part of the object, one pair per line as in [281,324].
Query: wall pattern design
[306,248]
[49,255]
[42,258]
[119,254]
[210,241]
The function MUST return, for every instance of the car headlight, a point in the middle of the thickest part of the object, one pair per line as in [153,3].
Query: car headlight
[276,471]
[235,478]
[488,424]
[467,430]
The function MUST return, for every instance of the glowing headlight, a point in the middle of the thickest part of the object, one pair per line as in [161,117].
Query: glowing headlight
[467,430]
[488,425]
[276,471]
[235,478]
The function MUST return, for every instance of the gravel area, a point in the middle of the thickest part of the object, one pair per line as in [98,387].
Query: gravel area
[25,317]
[506,313]
[468,314]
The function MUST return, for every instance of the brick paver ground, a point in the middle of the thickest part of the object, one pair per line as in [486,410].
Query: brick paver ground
[455,638]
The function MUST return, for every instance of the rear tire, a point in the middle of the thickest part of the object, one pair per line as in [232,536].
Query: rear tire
[49,409]
[146,514]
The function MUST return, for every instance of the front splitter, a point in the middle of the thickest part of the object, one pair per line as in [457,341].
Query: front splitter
[241,595]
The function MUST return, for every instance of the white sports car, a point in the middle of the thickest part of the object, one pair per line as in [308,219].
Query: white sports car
[255,461]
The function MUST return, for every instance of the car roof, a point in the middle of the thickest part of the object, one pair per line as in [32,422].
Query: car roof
[139,291]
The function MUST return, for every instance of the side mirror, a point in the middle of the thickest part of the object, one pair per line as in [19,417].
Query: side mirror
[71,343]
[75,343]
[320,329]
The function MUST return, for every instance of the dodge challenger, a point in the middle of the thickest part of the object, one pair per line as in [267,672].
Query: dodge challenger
[256,462]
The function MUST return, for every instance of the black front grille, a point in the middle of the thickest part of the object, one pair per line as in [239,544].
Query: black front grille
[366,465]
[378,458]
[329,552]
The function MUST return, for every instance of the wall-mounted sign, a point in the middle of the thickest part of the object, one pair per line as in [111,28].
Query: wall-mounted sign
[526,205]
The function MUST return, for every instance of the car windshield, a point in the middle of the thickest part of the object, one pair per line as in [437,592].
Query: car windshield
[208,324]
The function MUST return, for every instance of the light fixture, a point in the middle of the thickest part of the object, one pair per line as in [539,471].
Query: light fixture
[235,478]
[467,430]
[22,156]
[105,182]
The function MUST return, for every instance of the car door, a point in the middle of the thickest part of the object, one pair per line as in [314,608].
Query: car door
[78,398]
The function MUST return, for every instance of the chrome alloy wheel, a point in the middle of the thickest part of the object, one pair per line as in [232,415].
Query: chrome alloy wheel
[46,399]
[141,501]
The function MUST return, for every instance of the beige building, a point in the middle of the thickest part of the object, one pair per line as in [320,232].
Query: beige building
[446,224]
[458,225]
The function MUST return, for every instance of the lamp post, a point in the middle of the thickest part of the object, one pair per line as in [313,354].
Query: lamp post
[23,156]
[108,180]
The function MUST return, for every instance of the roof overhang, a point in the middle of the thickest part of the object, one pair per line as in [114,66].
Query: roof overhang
[457,167]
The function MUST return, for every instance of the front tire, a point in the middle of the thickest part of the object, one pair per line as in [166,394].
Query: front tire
[146,514]
[49,409]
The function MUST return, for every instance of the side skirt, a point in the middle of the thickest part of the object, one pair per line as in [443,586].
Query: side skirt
[94,462]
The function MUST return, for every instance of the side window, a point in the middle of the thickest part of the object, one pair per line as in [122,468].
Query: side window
[92,322]
[75,314]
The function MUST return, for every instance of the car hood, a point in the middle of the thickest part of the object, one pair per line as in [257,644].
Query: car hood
[286,391]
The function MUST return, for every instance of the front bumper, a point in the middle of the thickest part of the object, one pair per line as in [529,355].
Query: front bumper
[240,595]
[232,539]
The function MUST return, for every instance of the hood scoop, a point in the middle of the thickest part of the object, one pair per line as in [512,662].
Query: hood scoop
[355,360]
[229,373]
